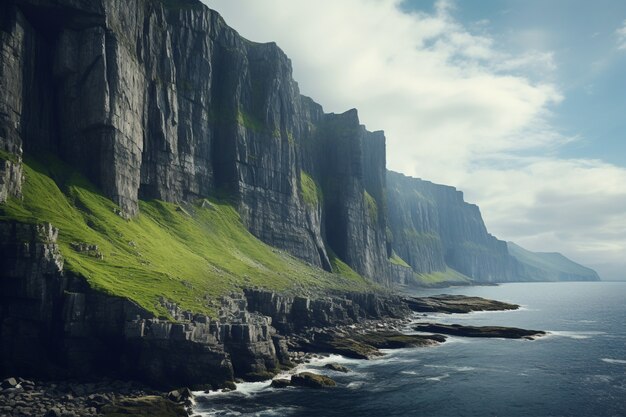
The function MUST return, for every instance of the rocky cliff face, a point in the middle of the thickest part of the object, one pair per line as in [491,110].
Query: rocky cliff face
[52,324]
[548,266]
[163,100]
[433,227]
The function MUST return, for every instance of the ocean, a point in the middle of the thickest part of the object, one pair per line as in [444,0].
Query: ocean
[579,369]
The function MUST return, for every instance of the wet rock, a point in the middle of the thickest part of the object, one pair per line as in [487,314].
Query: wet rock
[482,331]
[336,367]
[153,406]
[280,383]
[311,380]
[456,304]
[9,383]
[53,412]
[180,395]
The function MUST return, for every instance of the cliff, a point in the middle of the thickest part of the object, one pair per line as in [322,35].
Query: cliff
[162,100]
[444,240]
[56,325]
[434,228]
[548,266]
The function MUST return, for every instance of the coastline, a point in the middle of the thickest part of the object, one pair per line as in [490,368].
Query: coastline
[362,338]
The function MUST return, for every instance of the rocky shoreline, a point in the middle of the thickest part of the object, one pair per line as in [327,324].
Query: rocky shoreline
[25,398]
[362,338]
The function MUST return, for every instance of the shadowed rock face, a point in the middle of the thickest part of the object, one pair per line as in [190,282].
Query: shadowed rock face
[482,331]
[433,227]
[455,304]
[54,325]
[161,100]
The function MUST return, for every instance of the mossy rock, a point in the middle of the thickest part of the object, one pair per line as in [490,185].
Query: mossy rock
[353,349]
[311,380]
[280,383]
[259,376]
[151,406]
[336,367]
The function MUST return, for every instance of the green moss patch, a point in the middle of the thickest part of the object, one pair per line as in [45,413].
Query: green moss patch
[190,254]
[438,278]
[396,260]
[8,156]
[372,206]
[311,192]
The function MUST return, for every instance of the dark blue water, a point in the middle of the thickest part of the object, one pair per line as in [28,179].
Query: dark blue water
[578,370]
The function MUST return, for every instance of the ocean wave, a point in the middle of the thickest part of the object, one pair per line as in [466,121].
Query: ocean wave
[229,411]
[355,385]
[574,334]
[437,378]
[453,367]
[245,389]
[614,361]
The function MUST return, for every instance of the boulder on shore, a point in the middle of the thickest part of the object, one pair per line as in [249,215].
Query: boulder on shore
[336,367]
[311,380]
[280,383]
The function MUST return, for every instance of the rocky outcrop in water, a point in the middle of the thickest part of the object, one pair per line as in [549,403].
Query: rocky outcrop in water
[479,331]
[455,304]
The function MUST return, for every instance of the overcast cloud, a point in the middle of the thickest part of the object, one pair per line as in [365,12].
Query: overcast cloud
[456,110]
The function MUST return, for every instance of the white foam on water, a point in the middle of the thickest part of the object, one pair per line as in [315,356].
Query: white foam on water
[278,411]
[452,367]
[408,372]
[438,378]
[355,384]
[334,358]
[614,361]
[246,389]
[572,334]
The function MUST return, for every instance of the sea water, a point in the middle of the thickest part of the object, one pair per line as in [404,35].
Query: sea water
[579,369]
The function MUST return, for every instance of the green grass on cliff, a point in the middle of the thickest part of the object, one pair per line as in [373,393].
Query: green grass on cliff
[396,260]
[7,156]
[372,206]
[189,254]
[311,192]
[441,278]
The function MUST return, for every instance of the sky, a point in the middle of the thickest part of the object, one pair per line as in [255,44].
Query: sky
[519,104]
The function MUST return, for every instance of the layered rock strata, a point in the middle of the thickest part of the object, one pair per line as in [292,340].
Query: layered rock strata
[433,227]
[52,324]
[162,100]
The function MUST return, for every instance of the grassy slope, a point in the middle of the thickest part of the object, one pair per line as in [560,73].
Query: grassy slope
[311,192]
[552,262]
[395,259]
[447,277]
[188,254]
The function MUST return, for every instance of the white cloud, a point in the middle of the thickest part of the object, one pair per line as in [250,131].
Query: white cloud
[456,109]
[621,37]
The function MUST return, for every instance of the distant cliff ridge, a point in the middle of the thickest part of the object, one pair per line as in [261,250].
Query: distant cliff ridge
[544,266]
[433,227]
[434,230]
